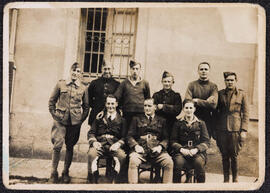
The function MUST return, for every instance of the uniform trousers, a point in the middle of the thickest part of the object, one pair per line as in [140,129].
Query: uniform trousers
[229,144]
[163,160]
[196,162]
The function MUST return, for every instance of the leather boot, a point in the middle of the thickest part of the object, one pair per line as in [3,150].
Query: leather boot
[54,178]
[226,169]
[176,176]
[234,169]
[55,161]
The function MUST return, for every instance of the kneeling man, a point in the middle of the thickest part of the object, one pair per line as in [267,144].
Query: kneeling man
[106,137]
[148,140]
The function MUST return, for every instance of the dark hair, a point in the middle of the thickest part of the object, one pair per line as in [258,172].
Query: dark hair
[111,96]
[188,101]
[150,98]
[74,66]
[204,63]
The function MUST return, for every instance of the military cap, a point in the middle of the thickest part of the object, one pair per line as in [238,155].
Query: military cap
[226,74]
[133,63]
[166,74]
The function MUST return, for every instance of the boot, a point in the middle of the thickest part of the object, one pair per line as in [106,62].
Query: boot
[96,176]
[226,169]
[112,177]
[66,177]
[234,169]
[68,160]
[54,178]
[90,178]
[200,177]
[176,176]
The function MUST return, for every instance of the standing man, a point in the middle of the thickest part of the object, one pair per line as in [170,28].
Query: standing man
[107,137]
[168,102]
[69,107]
[205,95]
[132,92]
[99,89]
[148,140]
[232,124]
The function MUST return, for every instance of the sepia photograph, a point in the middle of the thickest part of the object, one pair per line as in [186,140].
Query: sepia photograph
[133,96]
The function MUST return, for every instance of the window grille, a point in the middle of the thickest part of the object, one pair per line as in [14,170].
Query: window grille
[110,34]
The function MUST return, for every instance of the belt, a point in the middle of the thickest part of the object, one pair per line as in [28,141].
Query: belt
[107,136]
[190,143]
[149,136]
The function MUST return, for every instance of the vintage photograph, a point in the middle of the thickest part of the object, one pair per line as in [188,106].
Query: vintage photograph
[134,96]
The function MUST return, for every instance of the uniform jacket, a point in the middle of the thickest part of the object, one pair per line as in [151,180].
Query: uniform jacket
[172,104]
[140,126]
[98,91]
[69,99]
[100,127]
[131,97]
[189,136]
[232,115]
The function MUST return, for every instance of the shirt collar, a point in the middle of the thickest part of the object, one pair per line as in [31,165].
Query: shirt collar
[233,91]
[195,119]
[148,117]
[77,82]
[134,82]
[113,115]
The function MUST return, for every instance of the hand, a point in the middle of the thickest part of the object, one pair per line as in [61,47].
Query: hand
[243,135]
[211,99]
[160,106]
[194,151]
[157,149]
[185,152]
[115,146]
[139,149]
[195,100]
[100,115]
[97,145]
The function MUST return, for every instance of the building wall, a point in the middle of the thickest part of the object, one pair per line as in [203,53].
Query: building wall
[178,39]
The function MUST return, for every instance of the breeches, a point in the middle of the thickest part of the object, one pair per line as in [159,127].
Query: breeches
[197,162]
[64,133]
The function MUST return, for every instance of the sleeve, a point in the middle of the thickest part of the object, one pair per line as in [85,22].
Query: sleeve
[164,142]
[204,138]
[245,113]
[132,132]
[91,135]
[123,132]
[211,101]
[189,94]
[119,93]
[174,138]
[90,94]
[53,99]
[85,105]
[176,108]
[155,97]
[146,90]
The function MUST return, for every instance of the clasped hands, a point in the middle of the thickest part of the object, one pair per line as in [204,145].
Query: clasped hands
[139,149]
[189,152]
[114,147]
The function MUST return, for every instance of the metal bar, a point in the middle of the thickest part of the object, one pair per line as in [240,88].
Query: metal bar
[89,52]
[126,12]
[124,34]
[85,36]
[97,31]
[124,55]
[121,57]
[113,29]
[93,25]
[99,39]
[129,41]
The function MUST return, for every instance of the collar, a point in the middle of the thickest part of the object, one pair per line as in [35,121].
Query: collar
[113,115]
[203,81]
[77,82]
[166,92]
[233,91]
[148,117]
[195,119]
[134,82]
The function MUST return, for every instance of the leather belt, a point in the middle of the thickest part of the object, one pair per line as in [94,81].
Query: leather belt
[149,136]
[107,136]
[190,143]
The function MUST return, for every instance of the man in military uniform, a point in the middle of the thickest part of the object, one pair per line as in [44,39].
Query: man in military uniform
[99,89]
[65,104]
[232,116]
[168,102]
[205,95]
[148,140]
[189,141]
[106,137]
[132,92]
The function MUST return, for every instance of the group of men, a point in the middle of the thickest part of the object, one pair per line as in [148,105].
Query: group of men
[129,127]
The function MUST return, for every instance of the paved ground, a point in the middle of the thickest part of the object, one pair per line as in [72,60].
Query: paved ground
[33,171]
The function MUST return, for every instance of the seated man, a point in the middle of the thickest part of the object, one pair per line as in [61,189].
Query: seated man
[148,139]
[189,141]
[106,137]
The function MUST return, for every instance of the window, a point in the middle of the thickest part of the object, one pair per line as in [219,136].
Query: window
[108,34]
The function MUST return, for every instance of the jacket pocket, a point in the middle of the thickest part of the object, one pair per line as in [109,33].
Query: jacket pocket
[60,113]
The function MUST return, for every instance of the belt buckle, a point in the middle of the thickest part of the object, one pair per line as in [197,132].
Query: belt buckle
[148,136]
[190,143]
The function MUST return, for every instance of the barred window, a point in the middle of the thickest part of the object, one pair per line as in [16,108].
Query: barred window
[108,34]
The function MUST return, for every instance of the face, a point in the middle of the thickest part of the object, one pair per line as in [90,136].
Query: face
[167,83]
[75,74]
[189,109]
[111,104]
[203,71]
[107,70]
[135,71]
[230,82]
[149,107]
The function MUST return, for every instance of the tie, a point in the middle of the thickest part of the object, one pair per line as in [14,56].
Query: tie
[110,118]
[150,119]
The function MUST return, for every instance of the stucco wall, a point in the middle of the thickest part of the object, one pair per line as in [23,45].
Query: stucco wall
[178,39]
